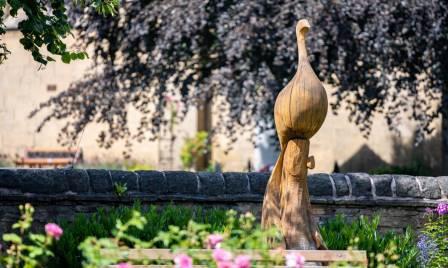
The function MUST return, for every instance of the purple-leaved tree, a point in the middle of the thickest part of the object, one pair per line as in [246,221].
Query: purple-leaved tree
[383,56]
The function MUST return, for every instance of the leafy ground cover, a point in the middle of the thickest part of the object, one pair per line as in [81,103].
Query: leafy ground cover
[339,232]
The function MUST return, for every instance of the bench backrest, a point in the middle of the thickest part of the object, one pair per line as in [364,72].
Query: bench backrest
[51,152]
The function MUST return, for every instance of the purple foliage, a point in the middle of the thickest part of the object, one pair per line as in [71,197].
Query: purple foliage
[384,57]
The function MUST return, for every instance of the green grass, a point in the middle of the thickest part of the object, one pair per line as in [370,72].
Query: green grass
[340,232]
[337,232]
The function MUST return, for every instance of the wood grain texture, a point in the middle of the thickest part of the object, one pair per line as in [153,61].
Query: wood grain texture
[299,112]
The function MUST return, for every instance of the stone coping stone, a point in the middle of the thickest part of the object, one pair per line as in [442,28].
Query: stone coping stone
[87,184]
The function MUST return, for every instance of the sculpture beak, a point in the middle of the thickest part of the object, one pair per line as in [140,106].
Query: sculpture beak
[303,26]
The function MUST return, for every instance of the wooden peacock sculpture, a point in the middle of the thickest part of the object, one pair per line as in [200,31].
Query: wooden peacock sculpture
[300,111]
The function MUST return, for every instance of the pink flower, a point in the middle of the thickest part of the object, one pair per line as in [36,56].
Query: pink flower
[183,261]
[221,255]
[53,230]
[242,261]
[295,260]
[214,240]
[124,265]
[442,208]
[224,264]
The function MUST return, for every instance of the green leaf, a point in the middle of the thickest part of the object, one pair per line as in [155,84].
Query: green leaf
[80,56]
[73,56]
[27,43]
[66,57]
[14,238]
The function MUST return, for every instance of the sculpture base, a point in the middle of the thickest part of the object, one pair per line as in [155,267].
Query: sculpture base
[287,203]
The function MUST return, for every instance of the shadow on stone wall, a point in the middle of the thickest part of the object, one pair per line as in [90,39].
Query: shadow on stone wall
[426,156]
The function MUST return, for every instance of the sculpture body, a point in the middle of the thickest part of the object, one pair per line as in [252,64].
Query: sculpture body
[300,111]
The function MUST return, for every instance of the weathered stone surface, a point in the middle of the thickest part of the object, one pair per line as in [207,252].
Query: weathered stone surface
[8,178]
[222,185]
[60,183]
[430,187]
[342,188]
[181,182]
[236,183]
[320,185]
[77,179]
[63,193]
[406,186]
[100,181]
[443,183]
[258,182]
[42,181]
[125,177]
[382,185]
[211,183]
[152,182]
[361,185]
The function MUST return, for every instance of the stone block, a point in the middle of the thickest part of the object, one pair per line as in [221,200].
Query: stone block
[430,187]
[383,185]
[100,181]
[181,182]
[443,183]
[361,184]
[236,183]
[258,182]
[9,179]
[211,183]
[340,182]
[125,177]
[42,181]
[320,185]
[407,186]
[61,184]
[78,180]
[152,182]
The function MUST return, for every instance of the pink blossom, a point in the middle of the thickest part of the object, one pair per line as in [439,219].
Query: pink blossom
[442,208]
[242,261]
[214,241]
[221,255]
[295,260]
[124,265]
[183,261]
[53,230]
[224,264]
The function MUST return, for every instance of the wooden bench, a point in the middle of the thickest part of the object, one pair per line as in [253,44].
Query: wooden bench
[53,157]
[358,257]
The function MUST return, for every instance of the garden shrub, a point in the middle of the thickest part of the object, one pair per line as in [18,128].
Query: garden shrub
[101,224]
[119,229]
[338,233]
[22,248]
[362,233]
[433,242]
[194,148]
[415,168]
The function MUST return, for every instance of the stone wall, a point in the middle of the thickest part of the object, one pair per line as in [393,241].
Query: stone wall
[61,193]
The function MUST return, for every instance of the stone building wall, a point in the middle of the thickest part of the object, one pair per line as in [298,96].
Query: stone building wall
[26,84]
[62,193]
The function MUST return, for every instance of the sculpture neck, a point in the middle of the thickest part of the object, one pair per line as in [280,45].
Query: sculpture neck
[303,55]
